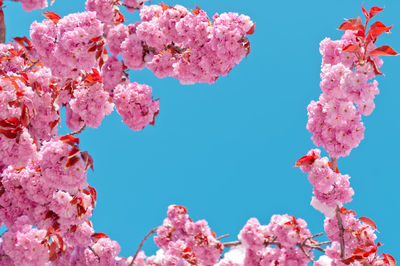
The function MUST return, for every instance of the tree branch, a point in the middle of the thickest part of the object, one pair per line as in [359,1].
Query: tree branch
[154,230]
[94,252]
[2,24]
[78,131]
[223,236]
[341,233]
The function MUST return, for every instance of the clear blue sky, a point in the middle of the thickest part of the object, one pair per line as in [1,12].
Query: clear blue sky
[226,151]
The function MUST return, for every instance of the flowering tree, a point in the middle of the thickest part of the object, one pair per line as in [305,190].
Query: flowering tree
[75,63]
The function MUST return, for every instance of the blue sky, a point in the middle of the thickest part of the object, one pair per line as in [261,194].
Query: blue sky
[226,151]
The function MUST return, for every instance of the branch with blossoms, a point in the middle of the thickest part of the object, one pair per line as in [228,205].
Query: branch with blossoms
[72,62]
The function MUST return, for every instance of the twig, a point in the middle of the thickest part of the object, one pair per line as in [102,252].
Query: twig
[94,252]
[341,232]
[2,24]
[315,247]
[78,131]
[334,164]
[30,67]
[141,244]
[231,244]
[314,236]
[223,236]
[305,253]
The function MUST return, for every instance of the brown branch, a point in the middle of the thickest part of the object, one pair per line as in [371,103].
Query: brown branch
[154,230]
[316,235]
[94,252]
[2,24]
[223,236]
[78,131]
[231,244]
[334,164]
[305,252]
[30,67]
[341,233]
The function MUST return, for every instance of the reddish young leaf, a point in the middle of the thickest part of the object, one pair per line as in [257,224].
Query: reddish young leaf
[93,77]
[375,66]
[73,152]
[306,160]
[374,11]
[376,32]
[11,134]
[71,161]
[196,11]
[352,24]
[99,235]
[365,12]
[52,16]
[25,118]
[154,118]
[12,122]
[383,50]
[165,7]
[70,140]
[88,160]
[54,123]
[94,194]
[389,259]
[120,18]
[350,48]
[368,221]
[251,30]
[23,41]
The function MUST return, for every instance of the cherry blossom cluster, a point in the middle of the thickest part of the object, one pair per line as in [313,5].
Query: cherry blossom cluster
[347,92]
[284,232]
[359,239]
[330,188]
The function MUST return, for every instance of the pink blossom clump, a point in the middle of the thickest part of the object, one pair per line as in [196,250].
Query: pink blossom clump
[104,9]
[172,41]
[29,5]
[64,47]
[115,37]
[111,73]
[335,120]
[330,188]
[92,103]
[357,234]
[56,172]
[133,5]
[26,245]
[186,242]
[284,231]
[134,103]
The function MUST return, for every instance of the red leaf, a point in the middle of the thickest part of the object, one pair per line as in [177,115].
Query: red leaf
[52,16]
[12,122]
[24,41]
[374,11]
[374,65]
[154,118]
[93,77]
[11,134]
[72,161]
[25,118]
[196,11]
[70,140]
[73,152]
[368,221]
[383,50]
[352,24]
[88,160]
[389,259]
[351,48]
[54,123]
[374,33]
[165,7]
[251,30]
[365,12]
[93,193]
[306,160]
[99,235]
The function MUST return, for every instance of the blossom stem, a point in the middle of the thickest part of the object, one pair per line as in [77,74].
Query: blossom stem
[341,232]
[154,230]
